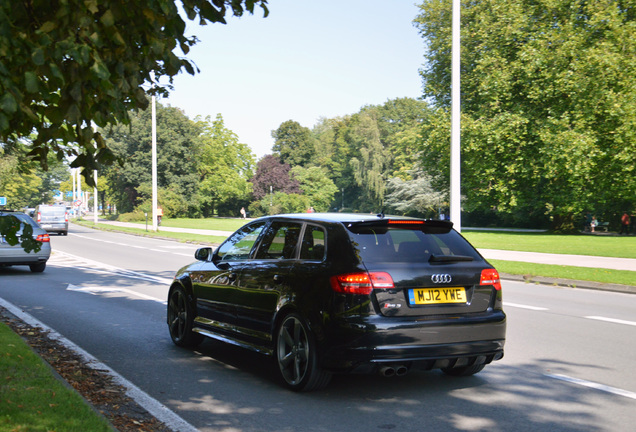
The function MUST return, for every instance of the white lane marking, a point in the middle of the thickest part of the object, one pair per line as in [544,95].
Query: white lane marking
[140,247]
[152,405]
[612,320]
[189,255]
[594,385]
[520,306]
[117,270]
[102,290]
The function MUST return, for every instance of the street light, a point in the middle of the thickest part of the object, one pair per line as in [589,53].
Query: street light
[455,157]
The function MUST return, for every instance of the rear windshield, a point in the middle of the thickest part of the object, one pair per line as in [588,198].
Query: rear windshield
[406,245]
[25,219]
[57,211]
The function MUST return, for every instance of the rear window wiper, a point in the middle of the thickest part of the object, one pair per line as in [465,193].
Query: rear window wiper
[450,258]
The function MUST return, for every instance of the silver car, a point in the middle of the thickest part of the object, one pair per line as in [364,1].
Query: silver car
[52,218]
[11,255]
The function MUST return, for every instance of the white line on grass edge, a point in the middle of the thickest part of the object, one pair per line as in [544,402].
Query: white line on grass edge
[153,406]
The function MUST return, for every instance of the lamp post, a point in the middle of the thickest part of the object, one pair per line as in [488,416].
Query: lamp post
[154,166]
[455,156]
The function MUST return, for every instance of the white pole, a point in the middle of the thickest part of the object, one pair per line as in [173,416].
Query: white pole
[154,166]
[455,156]
[95,210]
[79,192]
[73,172]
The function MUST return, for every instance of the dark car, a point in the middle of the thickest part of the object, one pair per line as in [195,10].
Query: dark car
[344,293]
[11,255]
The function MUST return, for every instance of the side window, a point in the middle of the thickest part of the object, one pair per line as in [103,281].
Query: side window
[239,246]
[280,241]
[313,246]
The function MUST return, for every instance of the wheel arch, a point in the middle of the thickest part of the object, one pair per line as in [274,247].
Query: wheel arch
[185,284]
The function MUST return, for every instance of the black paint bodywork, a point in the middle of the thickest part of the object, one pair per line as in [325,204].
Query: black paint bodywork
[243,301]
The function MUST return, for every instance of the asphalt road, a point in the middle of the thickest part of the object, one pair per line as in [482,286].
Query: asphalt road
[569,363]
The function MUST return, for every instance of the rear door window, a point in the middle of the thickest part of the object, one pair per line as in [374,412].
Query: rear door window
[280,241]
[313,245]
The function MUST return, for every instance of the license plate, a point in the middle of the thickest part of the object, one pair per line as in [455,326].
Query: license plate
[425,296]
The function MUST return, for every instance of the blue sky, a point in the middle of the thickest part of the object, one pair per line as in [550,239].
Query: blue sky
[306,60]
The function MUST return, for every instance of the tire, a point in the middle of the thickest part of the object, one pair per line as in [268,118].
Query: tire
[464,370]
[296,356]
[181,319]
[37,267]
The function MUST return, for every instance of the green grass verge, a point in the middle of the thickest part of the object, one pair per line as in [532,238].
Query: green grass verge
[595,245]
[221,224]
[183,237]
[33,399]
[610,246]
[622,277]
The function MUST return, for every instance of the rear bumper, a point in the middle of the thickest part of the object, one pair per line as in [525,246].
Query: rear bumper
[55,228]
[366,345]
[17,256]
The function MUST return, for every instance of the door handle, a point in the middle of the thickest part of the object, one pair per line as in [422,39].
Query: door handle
[278,278]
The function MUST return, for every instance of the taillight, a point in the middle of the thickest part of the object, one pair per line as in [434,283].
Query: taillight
[361,283]
[44,238]
[65,217]
[39,217]
[490,277]
[405,222]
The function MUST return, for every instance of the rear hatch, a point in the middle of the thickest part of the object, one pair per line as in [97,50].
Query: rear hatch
[434,270]
[55,216]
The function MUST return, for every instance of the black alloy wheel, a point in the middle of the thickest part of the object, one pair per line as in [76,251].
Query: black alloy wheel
[296,356]
[181,319]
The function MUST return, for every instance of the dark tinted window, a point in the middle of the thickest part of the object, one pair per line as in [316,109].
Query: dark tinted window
[279,241]
[52,210]
[23,218]
[404,245]
[240,244]
[313,245]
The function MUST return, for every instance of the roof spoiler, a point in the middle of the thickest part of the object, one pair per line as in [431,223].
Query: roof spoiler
[403,223]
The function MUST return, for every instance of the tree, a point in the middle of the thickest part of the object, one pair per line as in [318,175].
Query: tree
[415,197]
[69,65]
[224,167]
[548,101]
[316,186]
[273,176]
[177,159]
[294,144]
[370,159]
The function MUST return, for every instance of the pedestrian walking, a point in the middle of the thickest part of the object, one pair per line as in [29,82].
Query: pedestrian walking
[625,220]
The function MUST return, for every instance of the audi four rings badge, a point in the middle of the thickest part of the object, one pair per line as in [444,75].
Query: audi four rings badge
[441,278]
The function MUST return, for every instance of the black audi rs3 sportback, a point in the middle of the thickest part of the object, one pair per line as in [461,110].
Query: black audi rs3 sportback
[326,293]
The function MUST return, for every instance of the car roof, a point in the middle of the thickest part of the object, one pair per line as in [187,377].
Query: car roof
[346,217]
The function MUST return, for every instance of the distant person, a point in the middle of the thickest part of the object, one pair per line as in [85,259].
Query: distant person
[625,220]
[593,223]
[588,222]
[243,213]
[159,215]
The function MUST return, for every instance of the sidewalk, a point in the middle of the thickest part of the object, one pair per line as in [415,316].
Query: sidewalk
[504,255]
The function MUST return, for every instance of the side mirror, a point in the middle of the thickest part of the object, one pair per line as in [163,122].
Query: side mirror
[203,254]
